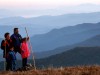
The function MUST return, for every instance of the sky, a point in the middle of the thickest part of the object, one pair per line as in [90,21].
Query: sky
[43,3]
[41,7]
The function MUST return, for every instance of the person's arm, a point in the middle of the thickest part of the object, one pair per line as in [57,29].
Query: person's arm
[3,44]
[12,38]
[22,48]
[20,37]
[27,38]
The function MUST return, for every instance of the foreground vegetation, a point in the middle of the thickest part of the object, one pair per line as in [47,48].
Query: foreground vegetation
[79,70]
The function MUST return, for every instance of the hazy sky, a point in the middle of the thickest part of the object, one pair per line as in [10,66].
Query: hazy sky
[42,3]
[44,7]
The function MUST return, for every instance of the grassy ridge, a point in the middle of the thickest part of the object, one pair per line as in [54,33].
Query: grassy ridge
[78,70]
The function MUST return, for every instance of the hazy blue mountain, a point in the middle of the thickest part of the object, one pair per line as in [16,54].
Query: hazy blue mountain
[73,57]
[31,30]
[0,39]
[68,37]
[65,36]
[46,23]
[53,21]
[92,42]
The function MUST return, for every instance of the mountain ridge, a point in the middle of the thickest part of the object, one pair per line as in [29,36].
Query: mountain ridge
[65,36]
[73,57]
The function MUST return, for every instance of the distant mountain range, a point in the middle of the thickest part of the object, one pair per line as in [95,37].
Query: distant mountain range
[82,35]
[31,30]
[73,57]
[43,24]
[53,21]
[92,42]
[65,36]
[51,43]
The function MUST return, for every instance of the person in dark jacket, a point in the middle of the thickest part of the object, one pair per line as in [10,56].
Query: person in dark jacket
[12,58]
[16,38]
[5,46]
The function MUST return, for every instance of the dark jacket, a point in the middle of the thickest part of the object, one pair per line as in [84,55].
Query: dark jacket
[16,38]
[5,46]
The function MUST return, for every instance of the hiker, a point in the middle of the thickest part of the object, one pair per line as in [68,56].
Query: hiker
[5,46]
[16,38]
[25,52]
[11,56]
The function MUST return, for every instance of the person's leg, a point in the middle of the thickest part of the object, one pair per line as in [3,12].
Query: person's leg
[7,64]
[13,65]
[23,62]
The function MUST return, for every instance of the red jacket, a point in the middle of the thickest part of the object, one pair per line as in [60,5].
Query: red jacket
[25,52]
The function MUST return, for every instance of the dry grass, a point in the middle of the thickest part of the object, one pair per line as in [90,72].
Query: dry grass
[79,70]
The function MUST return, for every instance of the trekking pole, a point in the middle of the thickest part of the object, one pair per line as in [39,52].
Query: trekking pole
[31,49]
[5,58]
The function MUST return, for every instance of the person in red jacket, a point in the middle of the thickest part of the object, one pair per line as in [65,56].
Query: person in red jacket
[25,52]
